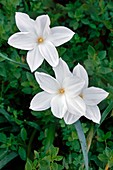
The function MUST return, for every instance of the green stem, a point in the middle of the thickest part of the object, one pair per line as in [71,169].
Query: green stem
[30,142]
[18,63]
[82,140]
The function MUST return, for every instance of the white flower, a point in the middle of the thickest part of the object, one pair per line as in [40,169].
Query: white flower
[37,37]
[91,95]
[61,94]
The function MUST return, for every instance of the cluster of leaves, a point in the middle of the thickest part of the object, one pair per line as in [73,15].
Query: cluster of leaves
[37,140]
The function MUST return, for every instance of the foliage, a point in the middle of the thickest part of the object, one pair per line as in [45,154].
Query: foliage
[37,140]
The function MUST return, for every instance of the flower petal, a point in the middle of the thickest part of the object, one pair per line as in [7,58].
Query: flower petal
[47,83]
[62,71]
[42,26]
[71,118]
[81,73]
[49,52]
[24,22]
[23,41]
[73,86]
[34,59]
[58,106]
[60,35]
[41,101]
[93,113]
[93,95]
[76,105]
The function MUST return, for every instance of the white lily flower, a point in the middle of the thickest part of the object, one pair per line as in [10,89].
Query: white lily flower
[37,37]
[91,95]
[61,94]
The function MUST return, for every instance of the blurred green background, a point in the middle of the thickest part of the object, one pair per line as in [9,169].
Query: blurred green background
[38,140]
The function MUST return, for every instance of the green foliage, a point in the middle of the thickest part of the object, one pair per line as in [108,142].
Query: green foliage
[38,139]
[45,160]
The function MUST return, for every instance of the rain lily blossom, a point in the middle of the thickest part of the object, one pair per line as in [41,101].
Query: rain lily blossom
[91,95]
[61,94]
[41,40]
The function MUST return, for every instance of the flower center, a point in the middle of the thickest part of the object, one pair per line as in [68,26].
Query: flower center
[81,95]
[40,40]
[61,91]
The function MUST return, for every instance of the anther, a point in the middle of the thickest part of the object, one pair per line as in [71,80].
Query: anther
[40,40]
[61,91]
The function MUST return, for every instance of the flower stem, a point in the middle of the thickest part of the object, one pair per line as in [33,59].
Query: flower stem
[30,142]
[82,140]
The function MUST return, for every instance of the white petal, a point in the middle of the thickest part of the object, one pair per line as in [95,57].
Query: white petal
[80,71]
[34,59]
[47,82]
[73,86]
[93,95]
[62,71]
[71,118]
[42,26]
[24,22]
[49,52]
[58,106]
[23,41]
[60,35]
[76,105]
[41,101]
[93,113]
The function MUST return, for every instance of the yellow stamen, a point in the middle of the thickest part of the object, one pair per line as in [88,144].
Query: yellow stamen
[61,91]
[40,40]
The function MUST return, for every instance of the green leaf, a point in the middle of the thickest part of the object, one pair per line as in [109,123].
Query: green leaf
[23,134]
[22,153]
[91,51]
[82,140]
[20,64]
[29,76]
[54,166]
[3,153]
[3,138]
[5,114]
[27,90]
[7,159]
[58,158]
[28,165]
[2,70]
[50,137]
[102,55]
[33,124]
[103,158]
[44,164]
[104,115]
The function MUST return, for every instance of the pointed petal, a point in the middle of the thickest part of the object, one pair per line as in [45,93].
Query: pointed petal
[73,86]
[58,106]
[24,22]
[62,71]
[81,73]
[71,118]
[93,95]
[60,35]
[47,83]
[41,101]
[34,59]
[42,25]
[93,113]
[49,52]
[76,105]
[23,41]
